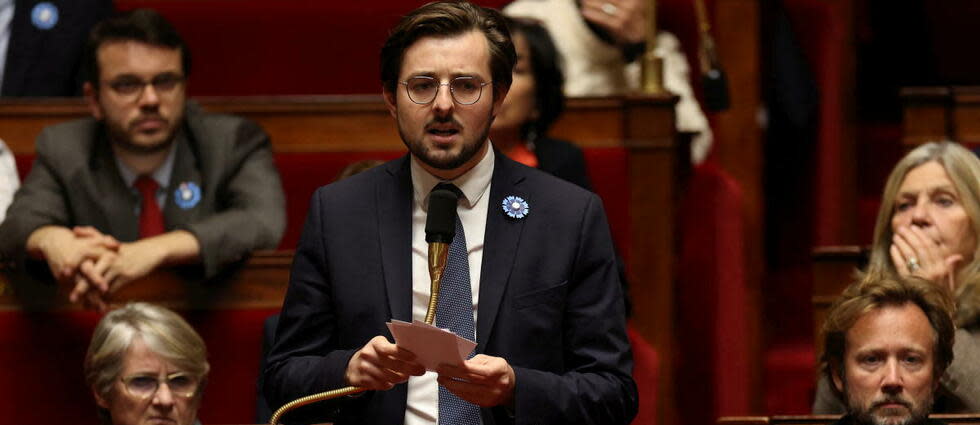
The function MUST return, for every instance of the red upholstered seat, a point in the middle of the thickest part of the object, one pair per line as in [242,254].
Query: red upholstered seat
[283,47]
[713,300]
[303,173]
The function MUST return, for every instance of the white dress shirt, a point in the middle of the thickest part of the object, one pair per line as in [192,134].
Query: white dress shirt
[423,391]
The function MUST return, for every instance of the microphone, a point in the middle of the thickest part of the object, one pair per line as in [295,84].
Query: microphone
[440,229]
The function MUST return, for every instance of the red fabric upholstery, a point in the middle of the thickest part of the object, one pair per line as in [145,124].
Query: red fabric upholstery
[275,38]
[608,171]
[261,47]
[821,35]
[790,378]
[303,173]
[24,163]
[712,300]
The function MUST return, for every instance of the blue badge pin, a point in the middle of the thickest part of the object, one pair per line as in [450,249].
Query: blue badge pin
[515,207]
[44,16]
[188,194]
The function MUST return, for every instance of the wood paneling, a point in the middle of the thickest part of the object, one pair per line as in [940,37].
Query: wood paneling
[337,123]
[940,113]
[834,267]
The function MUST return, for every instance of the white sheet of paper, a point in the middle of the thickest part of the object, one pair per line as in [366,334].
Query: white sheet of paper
[432,346]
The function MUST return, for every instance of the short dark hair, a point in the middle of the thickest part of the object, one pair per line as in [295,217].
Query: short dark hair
[142,25]
[446,19]
[548,77]
[872,294]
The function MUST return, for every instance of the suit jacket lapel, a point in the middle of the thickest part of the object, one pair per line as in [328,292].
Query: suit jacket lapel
[394,200]
[500,240]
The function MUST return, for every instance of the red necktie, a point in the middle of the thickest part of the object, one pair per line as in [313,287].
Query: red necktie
[151,219]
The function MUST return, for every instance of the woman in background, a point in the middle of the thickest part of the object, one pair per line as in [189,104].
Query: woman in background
[145,365]
[534,102]
[926,227]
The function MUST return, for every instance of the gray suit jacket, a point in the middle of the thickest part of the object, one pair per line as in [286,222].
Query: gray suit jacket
[75,182]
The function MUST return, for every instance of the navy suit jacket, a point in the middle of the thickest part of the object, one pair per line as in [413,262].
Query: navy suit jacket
[47,62]
[550,300]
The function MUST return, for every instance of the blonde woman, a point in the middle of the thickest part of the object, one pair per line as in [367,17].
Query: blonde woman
[926,227]
[145,364]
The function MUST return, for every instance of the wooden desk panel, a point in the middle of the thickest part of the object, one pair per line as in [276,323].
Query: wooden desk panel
[356,123]
[938,113]
[259,283]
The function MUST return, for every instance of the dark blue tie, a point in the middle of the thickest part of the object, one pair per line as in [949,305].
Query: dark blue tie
[455,312]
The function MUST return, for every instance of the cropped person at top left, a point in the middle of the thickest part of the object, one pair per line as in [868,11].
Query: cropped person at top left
[149,180]
[41,45]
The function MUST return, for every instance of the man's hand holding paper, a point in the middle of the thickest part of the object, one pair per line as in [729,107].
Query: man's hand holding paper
[379,365]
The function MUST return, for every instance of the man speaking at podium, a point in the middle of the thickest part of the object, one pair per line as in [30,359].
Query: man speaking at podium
[531,273]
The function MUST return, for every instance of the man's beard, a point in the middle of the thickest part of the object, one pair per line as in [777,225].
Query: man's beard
[120,137]
[467,150]
[917,415]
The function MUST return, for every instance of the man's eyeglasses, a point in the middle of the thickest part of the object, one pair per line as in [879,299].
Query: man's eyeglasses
[132,87]
[145,386]
[465,90]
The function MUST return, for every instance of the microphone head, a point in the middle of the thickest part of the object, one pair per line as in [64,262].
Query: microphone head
[440,224]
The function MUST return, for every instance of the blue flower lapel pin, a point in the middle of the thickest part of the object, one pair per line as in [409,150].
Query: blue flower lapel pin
[44,16]
[187,195]
[515,207]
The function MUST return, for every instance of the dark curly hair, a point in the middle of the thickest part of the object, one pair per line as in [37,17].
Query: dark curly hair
[547,73]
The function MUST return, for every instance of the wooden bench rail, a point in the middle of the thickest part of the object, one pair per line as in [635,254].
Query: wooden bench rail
[358,122]
[259,283]
[938,113]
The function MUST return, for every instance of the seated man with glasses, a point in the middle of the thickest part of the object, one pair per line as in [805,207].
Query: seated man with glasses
[145,364]
[150,180]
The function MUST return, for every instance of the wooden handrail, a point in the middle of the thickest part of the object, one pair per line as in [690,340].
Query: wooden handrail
[260,282]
